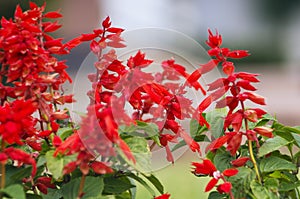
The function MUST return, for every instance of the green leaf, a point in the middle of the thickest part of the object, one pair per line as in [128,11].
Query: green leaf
[272,184]
[33,196]
[241,182]
[215,195]
[117,185]
[157,184]
[196,129]
[53,194]
[64,132]
[274,163]
[15,175]
[222,160]
[216,120]
[15,191]
[143,183]
[141,151]
[272,144]
[261,192]
[56,164]
[284,186]
[296,139]
[150,128]
[93,187]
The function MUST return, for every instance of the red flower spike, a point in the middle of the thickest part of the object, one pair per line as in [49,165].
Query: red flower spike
[214,40]
[240,161]
[163,196]
[224,188]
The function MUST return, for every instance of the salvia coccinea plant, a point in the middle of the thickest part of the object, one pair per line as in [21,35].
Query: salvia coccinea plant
[45,154]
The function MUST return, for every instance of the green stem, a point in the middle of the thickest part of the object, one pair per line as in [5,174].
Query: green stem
[254,161]
[81,186]
[250,147]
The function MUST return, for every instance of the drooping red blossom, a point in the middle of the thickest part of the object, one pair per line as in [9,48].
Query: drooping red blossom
[207,168]
[241,161]
[21,158]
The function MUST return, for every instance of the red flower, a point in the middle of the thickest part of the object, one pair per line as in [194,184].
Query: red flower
[16,121]
[163,196]
[208,168]
[214,40]
[240,161]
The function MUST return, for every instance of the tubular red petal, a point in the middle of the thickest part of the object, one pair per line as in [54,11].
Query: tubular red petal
[230,172]
[211,184]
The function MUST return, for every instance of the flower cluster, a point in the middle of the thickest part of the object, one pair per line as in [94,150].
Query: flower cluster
[31,79]
[154,98]
[239,84]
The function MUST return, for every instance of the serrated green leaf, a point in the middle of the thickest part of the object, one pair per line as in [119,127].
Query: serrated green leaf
[222,160]
[56,164]
[93,187]
[272,144]
[157,184]
[261,192]
[241,182]
[15,191]
[284,186]
[274,163]
[272,184]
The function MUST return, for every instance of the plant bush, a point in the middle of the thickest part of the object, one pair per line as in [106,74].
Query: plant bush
[45,154]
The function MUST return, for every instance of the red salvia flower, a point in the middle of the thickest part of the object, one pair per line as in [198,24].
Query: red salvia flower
[207,168]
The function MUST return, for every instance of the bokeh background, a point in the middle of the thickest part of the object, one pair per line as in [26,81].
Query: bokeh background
[269,29]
